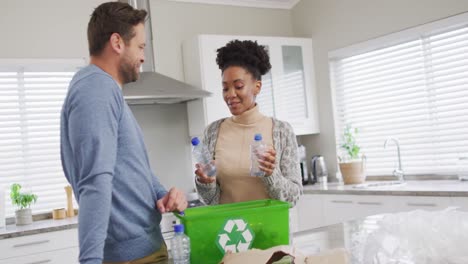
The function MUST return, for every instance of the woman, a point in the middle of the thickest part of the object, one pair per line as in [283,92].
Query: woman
[242,65]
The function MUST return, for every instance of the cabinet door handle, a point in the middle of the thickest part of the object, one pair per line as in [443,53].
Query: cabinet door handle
[422,204]
[40,261]
[32,243]
[342,201]
[370,203]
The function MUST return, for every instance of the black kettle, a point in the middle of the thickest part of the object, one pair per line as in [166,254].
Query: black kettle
[305,173]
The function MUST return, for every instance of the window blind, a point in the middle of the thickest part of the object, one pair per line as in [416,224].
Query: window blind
[415,91]
[291,86]
[265,98]
[31,97]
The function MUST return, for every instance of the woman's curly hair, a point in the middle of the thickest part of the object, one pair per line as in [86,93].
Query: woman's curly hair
[246,54]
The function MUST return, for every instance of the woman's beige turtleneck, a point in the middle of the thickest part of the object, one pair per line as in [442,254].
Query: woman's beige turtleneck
[233,156]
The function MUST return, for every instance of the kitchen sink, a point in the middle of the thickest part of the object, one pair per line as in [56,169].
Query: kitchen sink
[379,184]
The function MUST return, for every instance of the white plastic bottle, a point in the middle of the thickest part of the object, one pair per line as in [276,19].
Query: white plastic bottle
[202,156]
[257,148]
[180,246]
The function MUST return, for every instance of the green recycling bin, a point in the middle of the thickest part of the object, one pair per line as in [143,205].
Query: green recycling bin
[235,227]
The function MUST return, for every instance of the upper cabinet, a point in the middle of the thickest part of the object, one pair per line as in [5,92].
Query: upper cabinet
[288,90]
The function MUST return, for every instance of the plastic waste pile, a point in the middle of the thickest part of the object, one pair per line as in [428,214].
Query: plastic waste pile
[430,237]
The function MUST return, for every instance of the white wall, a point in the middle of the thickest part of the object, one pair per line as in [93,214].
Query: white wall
[334,24]
[45,29]
[166,136]
[174,22]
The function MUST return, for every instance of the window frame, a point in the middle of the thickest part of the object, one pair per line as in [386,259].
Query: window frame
[20,66]
[386,41]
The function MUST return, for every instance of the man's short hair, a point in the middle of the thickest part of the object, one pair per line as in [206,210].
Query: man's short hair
[109,18]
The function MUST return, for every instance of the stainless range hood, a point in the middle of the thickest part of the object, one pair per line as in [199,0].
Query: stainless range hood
[153,87]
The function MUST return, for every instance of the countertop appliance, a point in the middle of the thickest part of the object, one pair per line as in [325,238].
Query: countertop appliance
[319,169]
[303,162]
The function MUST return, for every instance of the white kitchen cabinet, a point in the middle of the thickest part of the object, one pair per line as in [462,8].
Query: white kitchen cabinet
[293,220]
[341,208]
[50,247]
[338,208]
[460,202]
[312,242]
[309,212]
[366,205]
[430,203]
[334,209]
[316,210]
[288,90]
[69,256]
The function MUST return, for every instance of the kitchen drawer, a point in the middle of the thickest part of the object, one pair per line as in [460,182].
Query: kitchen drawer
[293,220]
[429,203]
[26,245]
[63,256]
[310,243]
[367,205]
[310,212]
[339,208]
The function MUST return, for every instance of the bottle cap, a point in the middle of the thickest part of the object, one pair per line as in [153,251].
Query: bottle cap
[195,141]
[258,137]
[179,228]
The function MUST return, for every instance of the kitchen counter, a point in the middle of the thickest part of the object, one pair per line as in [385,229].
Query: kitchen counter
[37,227]
[354,236]
[452,188]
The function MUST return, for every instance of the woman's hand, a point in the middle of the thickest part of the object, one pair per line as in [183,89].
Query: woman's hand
[267,162]
[201,176]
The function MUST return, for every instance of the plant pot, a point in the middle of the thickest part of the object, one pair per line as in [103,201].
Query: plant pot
[353,172]
[23,217]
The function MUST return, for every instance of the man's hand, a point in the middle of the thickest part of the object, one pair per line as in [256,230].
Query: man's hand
[172,201]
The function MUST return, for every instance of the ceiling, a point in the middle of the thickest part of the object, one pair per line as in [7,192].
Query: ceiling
[282,4]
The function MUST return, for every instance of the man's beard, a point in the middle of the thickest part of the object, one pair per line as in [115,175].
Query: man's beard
[128,72]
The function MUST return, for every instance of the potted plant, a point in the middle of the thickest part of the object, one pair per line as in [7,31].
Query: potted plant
[352,164]
[23,202]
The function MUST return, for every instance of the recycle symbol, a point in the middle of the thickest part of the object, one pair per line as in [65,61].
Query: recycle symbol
[235,236]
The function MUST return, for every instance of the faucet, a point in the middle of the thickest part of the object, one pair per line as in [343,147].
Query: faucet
[398,172]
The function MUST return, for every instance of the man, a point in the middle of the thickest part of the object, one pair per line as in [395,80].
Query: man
[102,149]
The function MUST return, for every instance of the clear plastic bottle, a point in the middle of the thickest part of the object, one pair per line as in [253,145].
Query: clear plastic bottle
[180,246]
[202,156]
[257,148]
